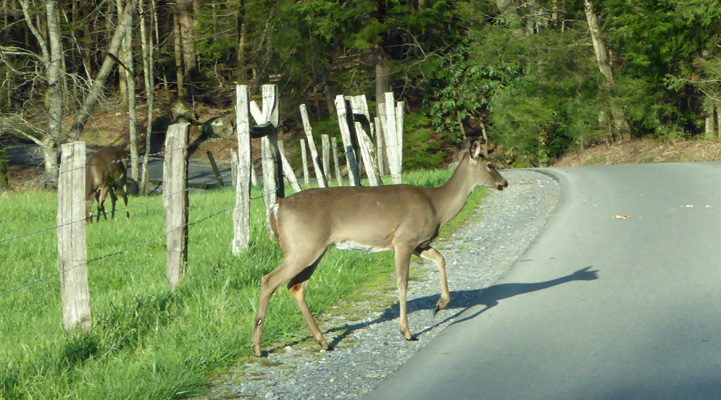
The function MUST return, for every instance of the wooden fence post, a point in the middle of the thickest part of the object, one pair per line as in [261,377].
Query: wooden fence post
[322,179]
[394,143]
[271,109]
[72,253]
[175,201]
[334,146]
[364,132]
[273,187]
[304,156]
[325,144]
[351,160]
[242,177]
[380,148]
[233,166]
[288,169]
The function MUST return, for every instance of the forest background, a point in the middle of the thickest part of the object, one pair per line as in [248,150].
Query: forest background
[542,77]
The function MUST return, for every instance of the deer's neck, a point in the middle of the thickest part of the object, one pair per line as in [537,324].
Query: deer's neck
[450,198]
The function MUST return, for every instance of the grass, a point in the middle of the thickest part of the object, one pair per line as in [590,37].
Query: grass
[149,341]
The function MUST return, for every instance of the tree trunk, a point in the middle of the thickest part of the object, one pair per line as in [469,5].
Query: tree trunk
[240,67]
[132,116]
[620,125]
[383,74]
[146,39]
[708,107]
[95,90]
[178,57]
[184,10]
[122,80]
[55,91]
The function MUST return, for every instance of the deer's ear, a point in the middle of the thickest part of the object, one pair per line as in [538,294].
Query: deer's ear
[476,150]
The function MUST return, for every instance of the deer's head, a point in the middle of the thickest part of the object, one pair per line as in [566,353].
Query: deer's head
[483,171]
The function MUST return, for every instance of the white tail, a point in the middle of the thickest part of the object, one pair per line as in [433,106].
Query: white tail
[105,173]
[400,218]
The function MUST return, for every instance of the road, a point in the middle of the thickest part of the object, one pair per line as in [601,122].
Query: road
[618,298]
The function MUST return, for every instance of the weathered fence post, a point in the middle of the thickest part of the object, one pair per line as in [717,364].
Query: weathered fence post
[304,156]
[288,169]
[175,201]
[72,253]
[233,166]
[214,167]
[242,177]
[380,148]
[322,179]
[334,146]
[364,132]
[325,144]
[394,142]
[351,160]
[273,187]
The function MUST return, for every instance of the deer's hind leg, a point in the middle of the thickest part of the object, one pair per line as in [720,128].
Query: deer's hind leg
[429,253]
[113,200]
[294,265]
[297,286]
[100,196]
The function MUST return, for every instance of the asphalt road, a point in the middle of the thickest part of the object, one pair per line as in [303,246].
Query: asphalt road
[618,298]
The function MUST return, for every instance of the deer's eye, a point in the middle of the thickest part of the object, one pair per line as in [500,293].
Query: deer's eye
[489,166]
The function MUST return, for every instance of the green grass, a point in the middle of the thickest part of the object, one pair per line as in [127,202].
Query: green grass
[149,341]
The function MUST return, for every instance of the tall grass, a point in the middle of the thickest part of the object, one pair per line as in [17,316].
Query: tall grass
[149,341]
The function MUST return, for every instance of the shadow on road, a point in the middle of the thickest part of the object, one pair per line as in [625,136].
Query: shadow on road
[462,300]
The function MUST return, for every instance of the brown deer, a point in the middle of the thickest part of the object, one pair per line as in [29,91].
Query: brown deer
[104,173]
[400,218]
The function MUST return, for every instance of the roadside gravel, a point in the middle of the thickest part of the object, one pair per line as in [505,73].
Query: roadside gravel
[368,345]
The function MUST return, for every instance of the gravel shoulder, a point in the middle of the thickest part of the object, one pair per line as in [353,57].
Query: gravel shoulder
[365,334]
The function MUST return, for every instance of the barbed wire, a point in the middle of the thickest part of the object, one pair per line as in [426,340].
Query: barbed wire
[119,252]
[47,178]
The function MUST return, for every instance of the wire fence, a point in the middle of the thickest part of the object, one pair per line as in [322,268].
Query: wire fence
[119,252]
[55,177]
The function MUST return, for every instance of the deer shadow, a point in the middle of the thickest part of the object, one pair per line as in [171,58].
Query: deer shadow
[463,300]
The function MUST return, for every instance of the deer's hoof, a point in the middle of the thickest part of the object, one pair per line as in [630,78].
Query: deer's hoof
[440,305]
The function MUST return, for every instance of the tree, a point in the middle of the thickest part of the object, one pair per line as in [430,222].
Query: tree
[621,129]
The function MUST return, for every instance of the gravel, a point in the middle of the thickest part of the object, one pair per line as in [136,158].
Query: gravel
[366,337]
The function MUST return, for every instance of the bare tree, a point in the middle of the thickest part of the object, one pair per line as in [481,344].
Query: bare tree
[99,83]
[51,61]
[146,40]
[132,116]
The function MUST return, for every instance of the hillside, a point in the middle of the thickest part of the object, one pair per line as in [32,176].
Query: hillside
[644,151]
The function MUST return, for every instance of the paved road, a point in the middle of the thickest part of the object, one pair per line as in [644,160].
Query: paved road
[618,298]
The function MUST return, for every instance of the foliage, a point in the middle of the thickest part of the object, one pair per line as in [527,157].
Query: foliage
[528,74]
[420,149]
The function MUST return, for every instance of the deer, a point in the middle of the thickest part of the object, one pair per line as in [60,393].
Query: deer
[400,218]
[104,173]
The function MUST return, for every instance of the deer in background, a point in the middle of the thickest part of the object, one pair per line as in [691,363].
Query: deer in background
[104,173]
[400,218]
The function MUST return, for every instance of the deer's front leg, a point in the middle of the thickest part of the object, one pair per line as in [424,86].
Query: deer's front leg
[433,255]
[403,259]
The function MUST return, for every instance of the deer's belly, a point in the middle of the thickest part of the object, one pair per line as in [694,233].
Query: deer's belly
[351,245]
